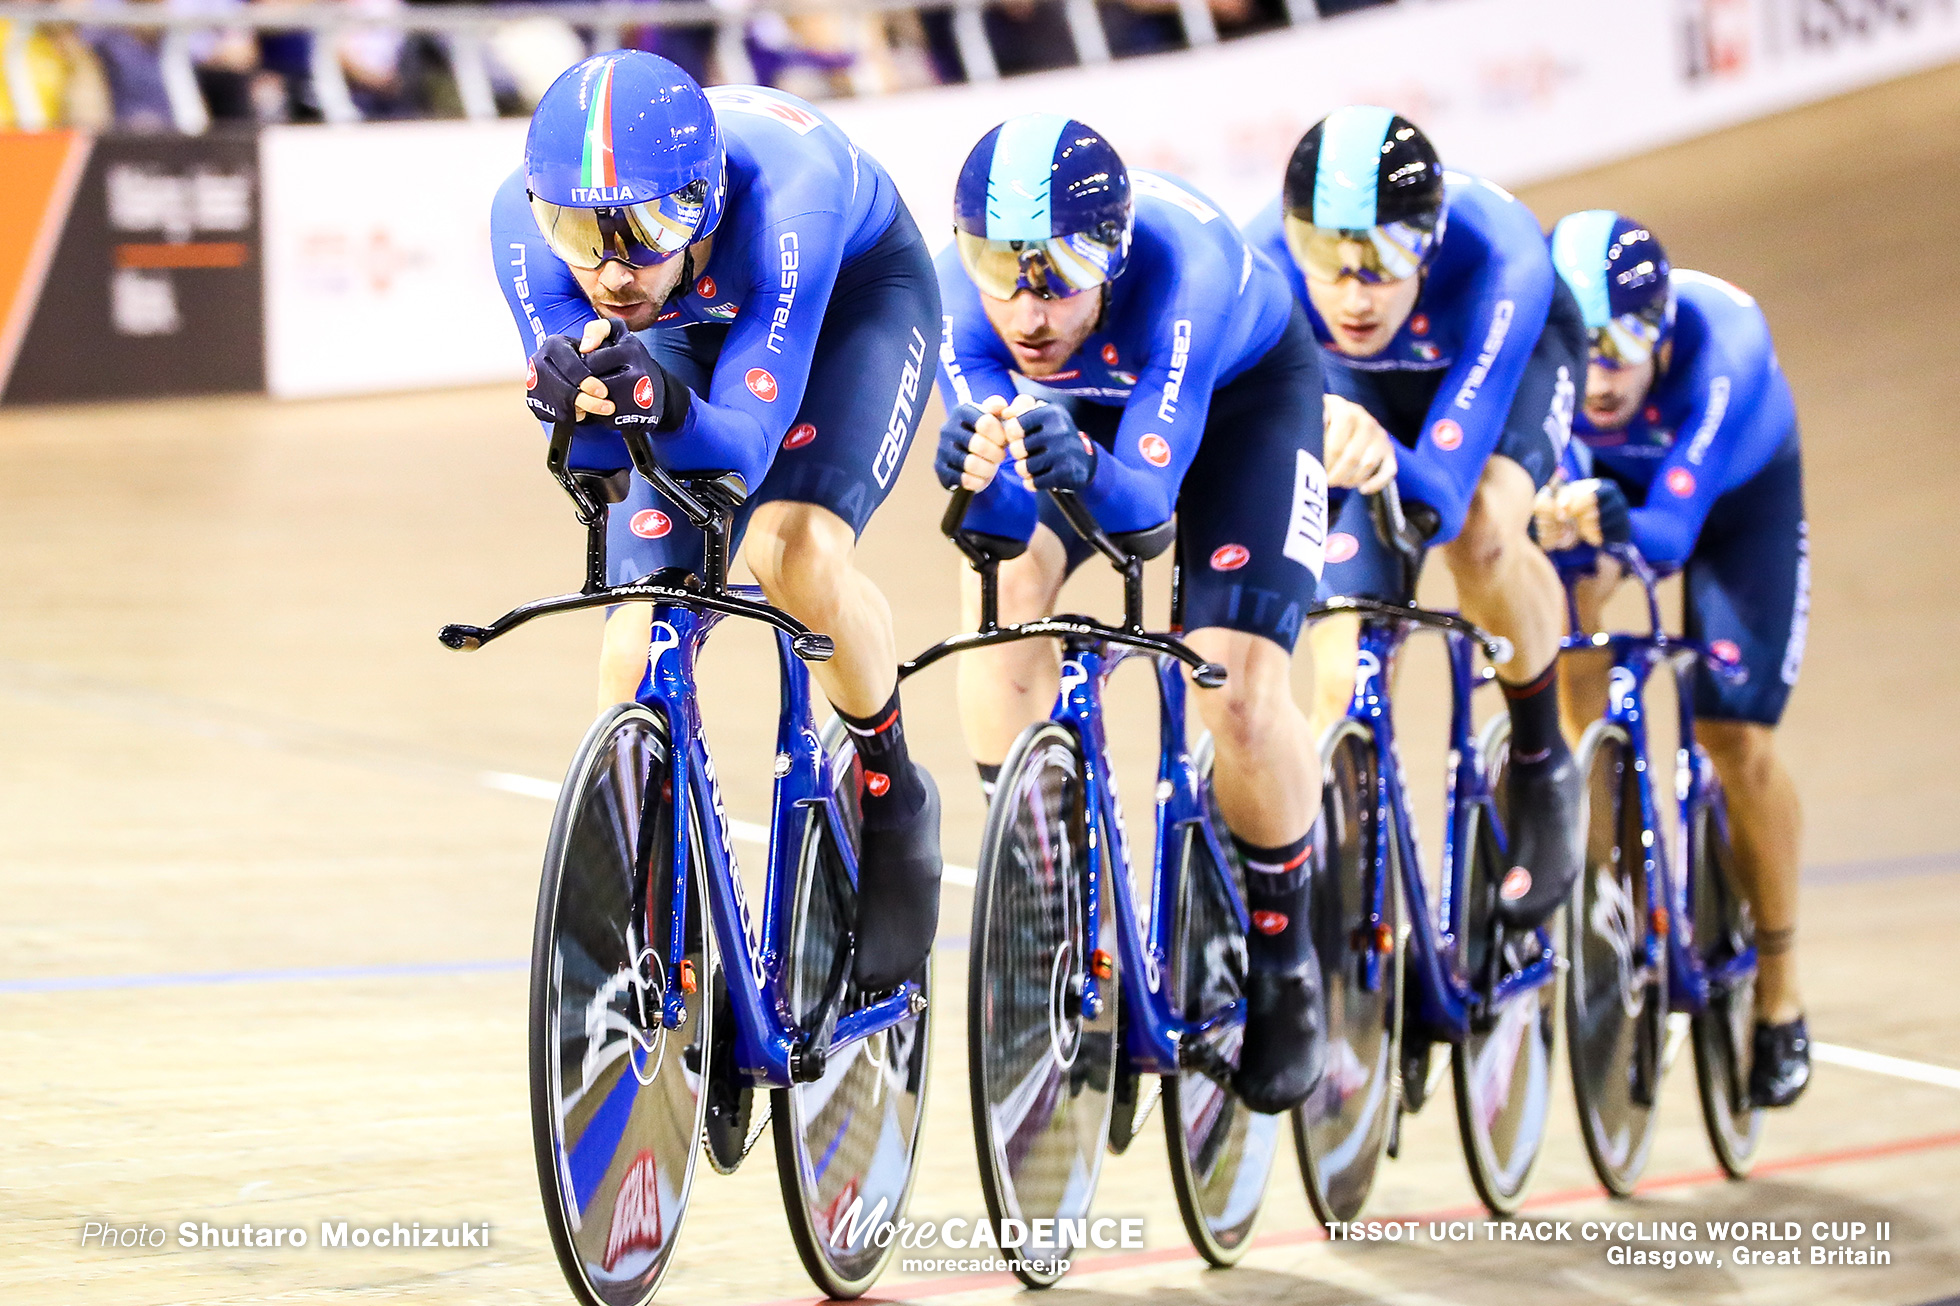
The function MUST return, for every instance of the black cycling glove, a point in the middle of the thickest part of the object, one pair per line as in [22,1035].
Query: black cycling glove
[954,437]
[1615,519]
[643,393]
[1059,455]
[552,381]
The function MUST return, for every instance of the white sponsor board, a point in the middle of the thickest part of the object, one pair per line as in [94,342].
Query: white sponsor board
[377,257]
[1517,90]
[375,232]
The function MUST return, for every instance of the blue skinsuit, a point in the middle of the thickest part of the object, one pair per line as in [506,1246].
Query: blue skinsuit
[1712,466]
[810,320]
[1202,388]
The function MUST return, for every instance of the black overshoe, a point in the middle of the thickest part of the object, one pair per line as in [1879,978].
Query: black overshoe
[1779,1068]
[898,895]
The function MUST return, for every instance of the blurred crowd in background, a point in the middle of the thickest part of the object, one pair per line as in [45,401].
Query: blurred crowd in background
[113,76]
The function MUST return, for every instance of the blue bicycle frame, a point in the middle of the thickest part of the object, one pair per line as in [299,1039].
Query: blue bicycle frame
[1444,1003]
[1634,660]
[1159,1040]
[1157,1031]
[769,1044]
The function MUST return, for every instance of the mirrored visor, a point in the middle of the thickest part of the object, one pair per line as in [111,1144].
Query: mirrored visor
[1053,269]
[1627,340]
[639,235]
[1393,251]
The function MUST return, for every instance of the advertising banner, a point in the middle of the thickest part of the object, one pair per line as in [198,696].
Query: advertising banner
[1516,90]
[151,286]
[378,273]
[378,270]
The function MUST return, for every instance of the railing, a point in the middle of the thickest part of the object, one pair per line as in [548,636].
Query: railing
[464,30]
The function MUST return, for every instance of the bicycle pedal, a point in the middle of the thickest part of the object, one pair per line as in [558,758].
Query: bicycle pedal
[1197,1055]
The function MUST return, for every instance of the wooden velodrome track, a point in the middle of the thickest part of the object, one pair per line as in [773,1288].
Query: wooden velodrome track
[268,853]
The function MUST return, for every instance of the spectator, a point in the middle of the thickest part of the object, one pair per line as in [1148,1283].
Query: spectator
[135,74]
[57,76]
[1029,35]
[527,54]
[802,57]
[134,69]
[691,45]
[371,59]
[235,85]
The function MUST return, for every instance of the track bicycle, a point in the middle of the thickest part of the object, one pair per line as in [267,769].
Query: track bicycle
[1404,973]
[658,1008]
[1077,989]
[1661,939]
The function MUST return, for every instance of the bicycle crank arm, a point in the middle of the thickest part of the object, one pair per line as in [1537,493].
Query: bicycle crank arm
[806,643]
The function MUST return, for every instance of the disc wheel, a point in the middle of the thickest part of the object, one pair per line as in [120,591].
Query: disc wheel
[1615,999]
[616,1098]
[1502,1071]
[1723,1031]
[1221,1151]
[1041,1073]
[846,1143]
[1340,1132]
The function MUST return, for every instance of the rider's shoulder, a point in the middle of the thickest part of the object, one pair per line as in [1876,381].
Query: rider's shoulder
[1718,326]
[748,112]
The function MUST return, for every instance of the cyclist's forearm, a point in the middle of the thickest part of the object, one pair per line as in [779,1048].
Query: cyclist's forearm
[717,438]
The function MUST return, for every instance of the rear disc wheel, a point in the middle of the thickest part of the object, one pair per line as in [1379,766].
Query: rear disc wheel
[847,1143]
[1615,1000]
[1502,1070]
[1221,1151]
[1724,1029]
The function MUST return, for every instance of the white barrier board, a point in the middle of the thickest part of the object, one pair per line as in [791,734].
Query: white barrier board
[1516,90]
[377,257]
[378,235]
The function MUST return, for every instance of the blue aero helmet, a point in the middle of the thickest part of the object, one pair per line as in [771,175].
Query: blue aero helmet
[624,161]
[1619,273]
[1364,197]
[1043,205]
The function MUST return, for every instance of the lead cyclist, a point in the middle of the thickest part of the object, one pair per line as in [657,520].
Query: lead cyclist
[1109,332]
[727,272]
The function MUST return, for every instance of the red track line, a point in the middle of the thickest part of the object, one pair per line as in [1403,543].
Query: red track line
[960,1283]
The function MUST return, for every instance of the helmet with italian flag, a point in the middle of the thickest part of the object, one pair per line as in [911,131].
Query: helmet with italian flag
[624,161]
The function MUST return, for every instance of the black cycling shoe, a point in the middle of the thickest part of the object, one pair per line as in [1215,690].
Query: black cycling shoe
[1547,851]
[1780,1067]
[1285,1046]
[898,896]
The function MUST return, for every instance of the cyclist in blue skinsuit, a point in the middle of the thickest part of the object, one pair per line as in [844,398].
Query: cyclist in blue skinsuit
[1442,318]
[807,299]
[1689,420]
[1110,332]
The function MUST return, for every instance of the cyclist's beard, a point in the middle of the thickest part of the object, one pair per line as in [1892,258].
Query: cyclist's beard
[636,302]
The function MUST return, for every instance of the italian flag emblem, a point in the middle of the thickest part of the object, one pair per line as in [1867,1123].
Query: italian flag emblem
[597,171]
